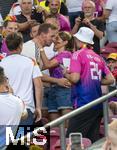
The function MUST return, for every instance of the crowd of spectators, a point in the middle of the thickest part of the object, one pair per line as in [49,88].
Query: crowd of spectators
[51,53]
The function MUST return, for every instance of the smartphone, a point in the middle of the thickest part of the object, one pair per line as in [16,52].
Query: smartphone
[82,16]
[76,141]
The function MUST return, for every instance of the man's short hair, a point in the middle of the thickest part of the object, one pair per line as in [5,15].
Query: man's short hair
[20,1]
[35,24]
[45,27]
[13,41]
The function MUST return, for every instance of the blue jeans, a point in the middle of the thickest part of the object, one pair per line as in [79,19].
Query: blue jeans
[111,29]
[59,98]
[29,120]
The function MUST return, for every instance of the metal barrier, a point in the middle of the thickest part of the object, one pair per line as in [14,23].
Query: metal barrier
[60,121]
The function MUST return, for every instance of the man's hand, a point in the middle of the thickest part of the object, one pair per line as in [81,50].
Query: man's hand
[113,107]
[37,114]
[64,82]
[87,22]
[77,20]
[31,22]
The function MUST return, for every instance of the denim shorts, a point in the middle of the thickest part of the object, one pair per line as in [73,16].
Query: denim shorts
[59,98]
[46,97]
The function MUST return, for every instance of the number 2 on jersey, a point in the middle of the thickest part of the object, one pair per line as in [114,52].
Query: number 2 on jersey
[95,71]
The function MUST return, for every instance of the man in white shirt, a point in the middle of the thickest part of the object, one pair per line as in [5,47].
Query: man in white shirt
[46,34]
[23,74]
[11,109]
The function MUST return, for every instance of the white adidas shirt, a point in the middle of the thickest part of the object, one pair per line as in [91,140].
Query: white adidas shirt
[11,109]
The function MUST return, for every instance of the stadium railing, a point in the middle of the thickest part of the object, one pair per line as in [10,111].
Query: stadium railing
[60,121]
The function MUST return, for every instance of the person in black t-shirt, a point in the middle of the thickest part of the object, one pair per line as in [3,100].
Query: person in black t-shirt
[90,21]
[27,18]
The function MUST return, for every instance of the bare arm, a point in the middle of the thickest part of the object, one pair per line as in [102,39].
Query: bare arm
[38,96]
[73,77]
[61,82]
[108,80]
[46,62]
[76,26]
[106,14]
[97,32]
[23,26]
[26,25]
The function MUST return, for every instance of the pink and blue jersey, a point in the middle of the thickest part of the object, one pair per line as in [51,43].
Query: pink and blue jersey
[57,72]
[91,68]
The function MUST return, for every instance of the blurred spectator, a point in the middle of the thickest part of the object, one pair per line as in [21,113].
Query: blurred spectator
[74,10]
[109,48]
[112,64]
[1,23]
[10,25]
[15,9]
[52,20]
[34,30]
[27,18]
[100,4]
[87,78]
[63,9]
[90,21]
[24,75]
[54,6]
[110,13]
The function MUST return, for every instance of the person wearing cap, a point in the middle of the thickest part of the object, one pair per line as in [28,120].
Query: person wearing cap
[87,72]
[112,62]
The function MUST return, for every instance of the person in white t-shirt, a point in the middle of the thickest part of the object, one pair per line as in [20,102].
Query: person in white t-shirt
[23,74]
[30,48]
[110,13]
[11,109]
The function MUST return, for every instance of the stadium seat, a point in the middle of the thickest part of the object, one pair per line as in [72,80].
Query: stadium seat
[109,48]
[86,142]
